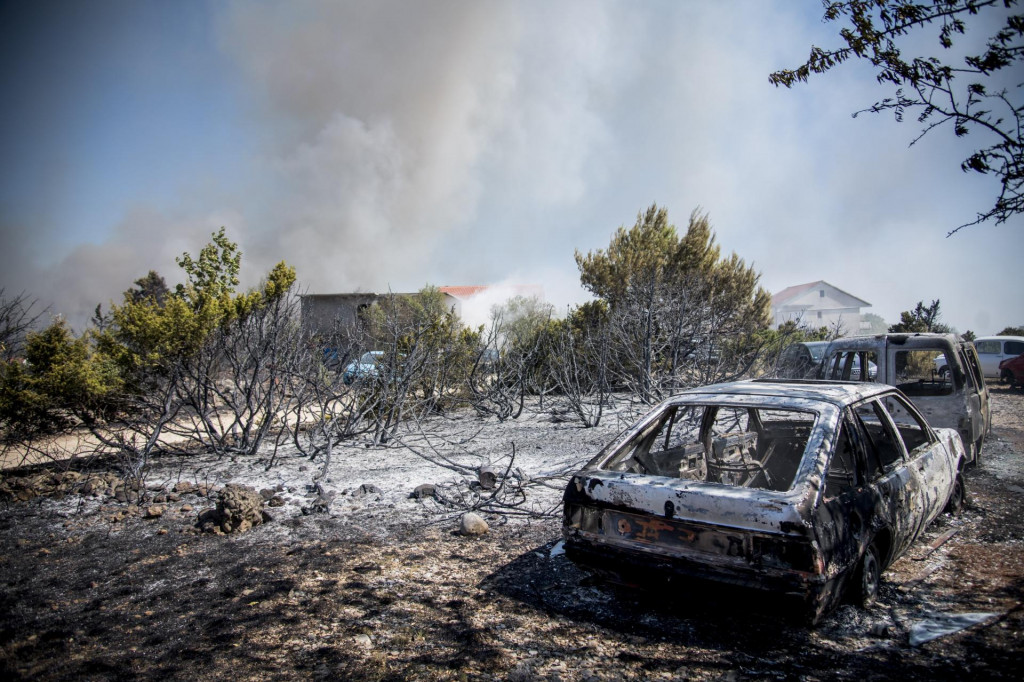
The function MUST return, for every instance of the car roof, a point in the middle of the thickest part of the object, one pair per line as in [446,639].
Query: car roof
[999,338]
[835,392]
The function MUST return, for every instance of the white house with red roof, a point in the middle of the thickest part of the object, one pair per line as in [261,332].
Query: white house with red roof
[819,304]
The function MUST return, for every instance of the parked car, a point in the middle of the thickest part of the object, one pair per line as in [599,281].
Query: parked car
[800,360]
[802,488]
[955,399]
[365,366]
[1011,371]
[992,350]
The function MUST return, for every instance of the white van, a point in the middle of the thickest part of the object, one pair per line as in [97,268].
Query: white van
[994,349]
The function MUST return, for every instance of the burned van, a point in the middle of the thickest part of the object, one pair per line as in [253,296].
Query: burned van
[940,373]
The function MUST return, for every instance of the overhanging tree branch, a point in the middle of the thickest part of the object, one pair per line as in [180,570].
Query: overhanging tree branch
[943,94]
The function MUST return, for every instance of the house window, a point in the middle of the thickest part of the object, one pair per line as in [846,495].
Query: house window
[819,314]
[821,293]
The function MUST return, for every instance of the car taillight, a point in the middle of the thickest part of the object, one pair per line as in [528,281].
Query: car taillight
[786,552]
[573,515]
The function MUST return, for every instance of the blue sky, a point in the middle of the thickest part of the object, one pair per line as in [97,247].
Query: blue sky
[394,144]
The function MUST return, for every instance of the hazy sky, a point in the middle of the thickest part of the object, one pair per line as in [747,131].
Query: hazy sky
[395,144]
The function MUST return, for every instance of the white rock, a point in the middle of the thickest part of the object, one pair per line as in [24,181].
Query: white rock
[472,524]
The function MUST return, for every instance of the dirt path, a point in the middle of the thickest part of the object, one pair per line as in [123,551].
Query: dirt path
[373,593]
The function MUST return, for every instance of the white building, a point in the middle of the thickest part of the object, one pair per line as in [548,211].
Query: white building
[819,304]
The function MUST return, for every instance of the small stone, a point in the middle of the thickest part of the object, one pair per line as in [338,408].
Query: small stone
[155,511]
[423,491]
[365,490]
[186,508]
[162,531]
[880,630]
[472,524]
[363,641]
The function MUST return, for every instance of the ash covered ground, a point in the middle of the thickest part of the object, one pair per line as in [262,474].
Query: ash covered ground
[380,586]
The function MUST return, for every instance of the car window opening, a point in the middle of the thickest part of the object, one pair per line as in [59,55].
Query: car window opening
[746,447]
[922,373]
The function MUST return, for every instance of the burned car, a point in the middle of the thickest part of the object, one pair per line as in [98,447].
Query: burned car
[949,391]
[801,488]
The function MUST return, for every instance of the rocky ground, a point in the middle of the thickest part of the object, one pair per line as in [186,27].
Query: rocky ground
[375,585]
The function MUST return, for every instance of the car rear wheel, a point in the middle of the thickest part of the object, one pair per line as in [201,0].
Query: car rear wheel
[1006,377]
[868,578]
[958,499]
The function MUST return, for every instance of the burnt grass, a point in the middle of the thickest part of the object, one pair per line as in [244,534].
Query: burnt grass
[91,595]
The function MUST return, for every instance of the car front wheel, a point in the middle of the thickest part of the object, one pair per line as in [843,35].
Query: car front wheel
[1006,377]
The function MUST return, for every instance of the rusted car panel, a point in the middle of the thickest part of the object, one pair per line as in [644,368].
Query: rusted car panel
[672,495]
[953,396]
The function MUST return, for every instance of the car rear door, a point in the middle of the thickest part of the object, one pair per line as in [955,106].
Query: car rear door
[899,509]
[929,462]
[849,502]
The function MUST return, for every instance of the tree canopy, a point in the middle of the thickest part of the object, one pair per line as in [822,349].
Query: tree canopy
[674,303]
[922,319]
[982,94]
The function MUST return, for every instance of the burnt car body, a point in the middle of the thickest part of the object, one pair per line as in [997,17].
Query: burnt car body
[956,398]
[802,488]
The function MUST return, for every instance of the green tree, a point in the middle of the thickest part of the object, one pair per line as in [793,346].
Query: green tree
[1012,331]
[876,325]
[674,301]
[61,378]
[153,329]
[982,94]
[922,319]
[151,286]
